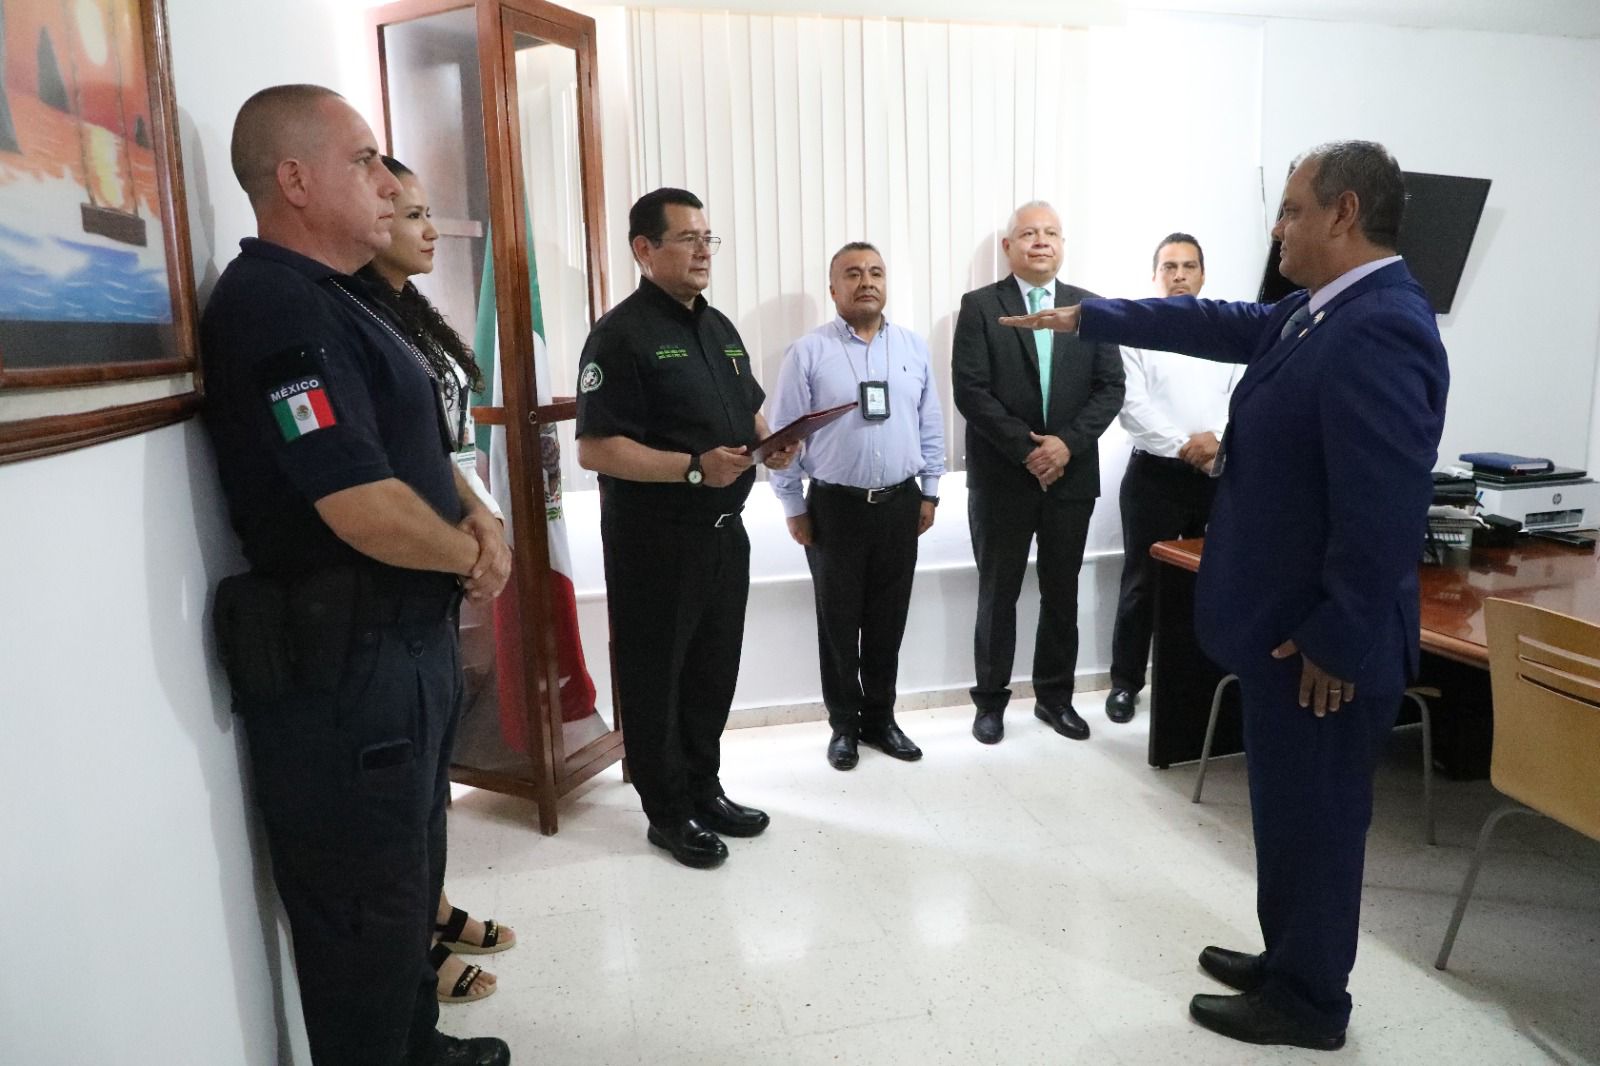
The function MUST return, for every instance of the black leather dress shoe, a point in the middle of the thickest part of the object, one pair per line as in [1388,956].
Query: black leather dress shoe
[1119,706]
[1233,968]
[1063,720]
[476,1051]
[722,815]
[690,843]
[989,726]
[1252,1019]
[892,742]
[842,754]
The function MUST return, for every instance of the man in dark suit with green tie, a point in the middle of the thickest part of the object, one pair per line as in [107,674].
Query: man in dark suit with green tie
[1036,402]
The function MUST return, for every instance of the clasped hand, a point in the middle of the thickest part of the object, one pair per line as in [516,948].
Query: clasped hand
[489,574]
[1048,460]
[1199,450]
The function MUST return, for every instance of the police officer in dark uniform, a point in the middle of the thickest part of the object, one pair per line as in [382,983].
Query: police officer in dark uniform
[341,641]
[668,412]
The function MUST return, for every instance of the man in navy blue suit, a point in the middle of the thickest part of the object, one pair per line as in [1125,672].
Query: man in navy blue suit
[1308,585]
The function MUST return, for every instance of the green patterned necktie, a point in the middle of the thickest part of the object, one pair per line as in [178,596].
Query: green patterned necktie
[1041,344]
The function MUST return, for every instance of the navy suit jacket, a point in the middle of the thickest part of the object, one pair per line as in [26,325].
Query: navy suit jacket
[994,373]
[1321,509]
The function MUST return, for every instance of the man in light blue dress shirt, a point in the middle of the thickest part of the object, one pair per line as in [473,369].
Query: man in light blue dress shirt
[874,483]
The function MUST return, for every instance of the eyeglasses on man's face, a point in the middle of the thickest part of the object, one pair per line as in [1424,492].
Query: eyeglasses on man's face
[691,242]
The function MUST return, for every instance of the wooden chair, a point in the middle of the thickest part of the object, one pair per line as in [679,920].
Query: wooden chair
[1418,694]
[1544,671]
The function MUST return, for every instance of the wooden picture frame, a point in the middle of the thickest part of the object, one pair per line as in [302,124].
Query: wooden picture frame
[97,298]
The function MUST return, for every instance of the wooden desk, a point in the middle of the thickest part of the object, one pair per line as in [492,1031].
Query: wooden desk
[1540,572]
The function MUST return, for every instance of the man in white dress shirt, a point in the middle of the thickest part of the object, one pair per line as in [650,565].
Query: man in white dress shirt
[1175,410]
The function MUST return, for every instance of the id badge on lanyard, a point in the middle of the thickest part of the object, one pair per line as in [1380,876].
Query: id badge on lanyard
[874,401]
[441,409]
[874,395]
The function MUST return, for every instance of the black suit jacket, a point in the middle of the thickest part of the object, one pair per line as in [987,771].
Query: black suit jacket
[995,375]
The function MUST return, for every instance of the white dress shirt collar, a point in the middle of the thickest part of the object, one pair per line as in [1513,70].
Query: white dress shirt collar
[1324,295]
[1049,288]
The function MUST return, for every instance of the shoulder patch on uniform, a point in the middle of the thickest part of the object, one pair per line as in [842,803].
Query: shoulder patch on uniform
[591,378]
[297,392]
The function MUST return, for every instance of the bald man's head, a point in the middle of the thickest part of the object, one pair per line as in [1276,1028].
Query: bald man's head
[277,123]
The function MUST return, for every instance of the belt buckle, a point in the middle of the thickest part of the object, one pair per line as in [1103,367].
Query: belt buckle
[872,494]
[721,518]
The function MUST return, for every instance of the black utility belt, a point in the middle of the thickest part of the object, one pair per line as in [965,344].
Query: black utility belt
[882,495]
[279,636]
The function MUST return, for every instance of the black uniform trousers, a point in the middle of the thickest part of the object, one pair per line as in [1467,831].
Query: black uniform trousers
[1311,805]
[677,586]
[352,788]
[863,557]
[1161,499]
[1004,522]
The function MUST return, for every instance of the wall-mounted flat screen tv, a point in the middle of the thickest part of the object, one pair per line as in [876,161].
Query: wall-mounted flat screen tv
[1441,218]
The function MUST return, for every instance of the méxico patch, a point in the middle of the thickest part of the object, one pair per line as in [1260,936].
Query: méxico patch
[301,407]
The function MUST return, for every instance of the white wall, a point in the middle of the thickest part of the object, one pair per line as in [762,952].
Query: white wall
[140,927]
[1521,111]
[139,930]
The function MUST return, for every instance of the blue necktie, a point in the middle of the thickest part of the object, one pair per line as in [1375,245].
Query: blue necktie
[1041,344]
[1296,321]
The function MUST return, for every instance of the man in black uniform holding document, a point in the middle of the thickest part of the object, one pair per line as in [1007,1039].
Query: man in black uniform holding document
[668,413]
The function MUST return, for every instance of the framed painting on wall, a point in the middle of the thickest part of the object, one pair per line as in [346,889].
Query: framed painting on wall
[97,305]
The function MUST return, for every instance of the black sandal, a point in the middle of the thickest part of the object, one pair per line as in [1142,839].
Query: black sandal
[450,933]
[461,991]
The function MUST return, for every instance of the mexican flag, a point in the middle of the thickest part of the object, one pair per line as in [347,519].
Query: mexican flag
[577,692]
[301,408]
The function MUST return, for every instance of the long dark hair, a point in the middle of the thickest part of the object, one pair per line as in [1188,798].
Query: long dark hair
[440,344]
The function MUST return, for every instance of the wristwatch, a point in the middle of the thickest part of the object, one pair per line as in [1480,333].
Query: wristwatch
[694,475]
[930,499]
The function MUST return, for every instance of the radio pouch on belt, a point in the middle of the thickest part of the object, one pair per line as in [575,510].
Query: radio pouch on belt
[250,619]
[321,618]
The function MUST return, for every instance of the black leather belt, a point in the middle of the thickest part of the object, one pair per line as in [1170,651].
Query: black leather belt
[870,495]
[1165,462]
[698,519]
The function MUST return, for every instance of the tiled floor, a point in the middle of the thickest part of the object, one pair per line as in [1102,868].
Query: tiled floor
[1037,902]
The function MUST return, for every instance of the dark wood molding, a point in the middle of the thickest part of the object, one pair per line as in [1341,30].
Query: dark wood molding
[32,438]
[102,374]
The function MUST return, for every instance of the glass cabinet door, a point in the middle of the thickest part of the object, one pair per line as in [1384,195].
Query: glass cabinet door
[491,104]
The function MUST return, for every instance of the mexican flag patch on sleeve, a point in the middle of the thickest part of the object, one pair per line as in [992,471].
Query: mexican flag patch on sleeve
[301,407]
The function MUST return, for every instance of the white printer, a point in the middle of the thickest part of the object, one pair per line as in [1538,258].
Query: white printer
[1561,499]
